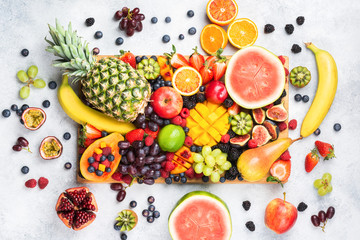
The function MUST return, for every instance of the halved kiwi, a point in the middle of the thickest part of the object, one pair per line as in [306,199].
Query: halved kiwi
[300,76]
[241,123]
[127,220]
[149,68]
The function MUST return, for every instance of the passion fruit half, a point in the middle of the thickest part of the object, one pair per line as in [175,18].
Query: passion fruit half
[33,118]
[50,148]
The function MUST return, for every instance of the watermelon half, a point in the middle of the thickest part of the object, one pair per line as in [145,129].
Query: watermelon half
[254,77]
[200,215]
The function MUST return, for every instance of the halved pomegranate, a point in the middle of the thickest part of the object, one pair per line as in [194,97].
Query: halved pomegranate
[76,207]
[33,118]
[50,148]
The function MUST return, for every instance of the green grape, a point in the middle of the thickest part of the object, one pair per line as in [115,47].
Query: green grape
[207,170]
[220,171]
[206,150]
[322,191]
[216,152]
[24,92]
[329,188]
[39,83]
[22,76]
[226,166]
[210,161]
[220,159]
[198,158]
[215,176]
[327,177]
[318,183]
[32,71]
[198,167]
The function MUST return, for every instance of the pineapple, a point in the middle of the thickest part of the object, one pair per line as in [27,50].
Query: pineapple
[109,85]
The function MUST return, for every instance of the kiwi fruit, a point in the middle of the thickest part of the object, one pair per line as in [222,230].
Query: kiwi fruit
[300,76]
[127,220]
[149,68]
[241,123]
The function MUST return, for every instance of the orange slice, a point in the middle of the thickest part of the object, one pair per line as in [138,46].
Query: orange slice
[242,33]
[221,12]
[187,81]
[212,38]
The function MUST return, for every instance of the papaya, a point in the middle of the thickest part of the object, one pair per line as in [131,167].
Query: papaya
[101,159]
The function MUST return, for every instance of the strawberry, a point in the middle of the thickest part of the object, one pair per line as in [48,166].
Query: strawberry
[280,170]
[234,109]
[135,135]
[151,133]
[43,182]
[211,60]
[219,66]
[128,57]
[91,132]
[149,140]
[176,59]
[325,149]
[206,73]
[196,60]
[311,160]
[88,142]
[285,155]
[190,173]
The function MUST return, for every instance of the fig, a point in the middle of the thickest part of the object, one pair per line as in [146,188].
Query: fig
[240,140]
[277,113]
[241,123]
[126,220]
[261,135]
[258,115]
[75,207]
[272,128]
[300,76]
[50,148]
[33,118]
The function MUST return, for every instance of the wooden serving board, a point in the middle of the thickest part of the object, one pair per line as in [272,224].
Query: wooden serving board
[283,134]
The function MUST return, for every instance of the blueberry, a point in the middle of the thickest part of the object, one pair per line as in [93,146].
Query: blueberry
[202,89]
[46,103]
[144,57]
[168,83]
[21,121]
[91,169]
[150,219]
[317,132]
[151,199]
[102,158]
[182,174]
[205,178]
[68,165]
[183,179]
[119,41]
[192,31]
[154,20]
[168,19]
[297,97]
[190,13]
[99,173]
[186,129]
[168,180]
[139,180]
[156,214]
[154,57]
[67,136]
[151,208]
[176,178]
[91,160]
[193,148]
[25,52]
[240,178]
[166,122]
[25,169]
[107,169]
[222,179]
[52,85]
[166,38]
[145,213]
[98,34]
[137,59]
[111,157]
[162,85]
[19,112]
[123,236]
[337,127]
[305,98]
[24,107]
[156,86]
[6,113]
[14,107]
[117,227]
[171,175]
[133,204]
[104,133]
[181,37]
[199,149]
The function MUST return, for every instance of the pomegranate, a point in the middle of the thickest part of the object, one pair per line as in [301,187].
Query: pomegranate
[76,207]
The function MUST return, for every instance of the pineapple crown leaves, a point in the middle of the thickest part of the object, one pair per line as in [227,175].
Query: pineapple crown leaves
[274,179]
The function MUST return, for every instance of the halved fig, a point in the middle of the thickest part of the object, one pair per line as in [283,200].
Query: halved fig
[33,118]
[258,115]
[261,135]
[240,140]
[272,128]
[277,113]
[50,148]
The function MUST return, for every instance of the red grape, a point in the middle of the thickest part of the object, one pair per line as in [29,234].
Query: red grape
[22,142]
[121,196]
[315,220]
[139,27]
[133,23]
[330,212]
[116,186]
[125,11]
[118,15]
[149,181]
[123,24]
[130,32]
[141,16]
[322,216]
[17,148]
[135,11]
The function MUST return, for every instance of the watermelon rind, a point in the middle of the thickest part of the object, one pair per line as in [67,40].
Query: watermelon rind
[187,198]
[267,100]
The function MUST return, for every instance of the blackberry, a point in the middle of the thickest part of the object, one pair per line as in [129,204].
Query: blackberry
[214,147]
[228,102]
[300,20]
[89,22]
[250,225]
[302,207]
[233,155]
[246,205]
[289,28]
[269,28]
[229,177]
[192,98]
[295,48]
[200,98]
[233,171]
[190,105]
[231,133]
[224,147]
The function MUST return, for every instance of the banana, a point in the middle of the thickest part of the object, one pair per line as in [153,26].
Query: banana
[325,93]
[82,114]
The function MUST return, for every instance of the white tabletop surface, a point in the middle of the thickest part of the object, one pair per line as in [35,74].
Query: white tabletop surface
[29,213]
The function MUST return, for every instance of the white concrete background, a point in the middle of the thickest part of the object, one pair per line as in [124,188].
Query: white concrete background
[29,213]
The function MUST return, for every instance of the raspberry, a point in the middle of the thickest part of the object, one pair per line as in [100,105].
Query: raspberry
[293,124]
[169,166]
[117,176]
[31,183]
[190,173]
[282,59]
[225,138]
[106,151]
[183,124]
[43,182]
[95,165]
[286,71]
[127,179]
[164,174]
[282,126]
[184,113]
[97,157]
[106,163]
[199,175]
[170,156]
[285,156]
[252,143]
[149,140]
[269,106]
[188,141]
[177,120]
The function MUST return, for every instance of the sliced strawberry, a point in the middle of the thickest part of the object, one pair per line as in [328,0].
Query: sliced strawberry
[128,57]
[281,170]
[196,60]
[206,73]
[211,60]
[234,109]
[91,132]
[176,59]
[219,66]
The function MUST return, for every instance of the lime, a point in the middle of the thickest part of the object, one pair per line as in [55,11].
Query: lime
[171,138]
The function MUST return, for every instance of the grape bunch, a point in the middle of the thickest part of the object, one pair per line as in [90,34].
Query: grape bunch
[211,163]
[150,120]
[323,185]
[21,143]
[29,78]
[130,21]
[322,217]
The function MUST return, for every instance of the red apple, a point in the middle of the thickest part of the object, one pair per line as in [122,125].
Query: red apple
[280,215]
[215,92]
[167,102]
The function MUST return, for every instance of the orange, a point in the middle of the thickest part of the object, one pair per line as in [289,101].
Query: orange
[187,81]
[212,38]
[242,33]
[222,12]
